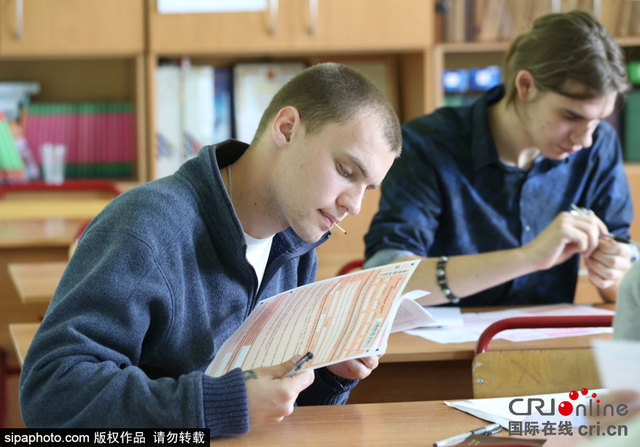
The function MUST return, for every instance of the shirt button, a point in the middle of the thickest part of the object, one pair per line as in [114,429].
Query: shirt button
[527,228]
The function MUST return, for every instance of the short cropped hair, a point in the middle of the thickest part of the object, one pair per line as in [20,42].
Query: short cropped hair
[333,93]
[564,47]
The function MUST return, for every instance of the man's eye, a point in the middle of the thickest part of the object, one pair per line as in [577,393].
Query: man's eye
[344,172]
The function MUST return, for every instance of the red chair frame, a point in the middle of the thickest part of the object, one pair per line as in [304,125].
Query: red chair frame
[351,265]
[540,322]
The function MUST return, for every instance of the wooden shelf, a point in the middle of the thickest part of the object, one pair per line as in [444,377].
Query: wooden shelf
[473,47]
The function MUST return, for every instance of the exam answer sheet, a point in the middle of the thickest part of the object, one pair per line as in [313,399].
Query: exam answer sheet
[337,319]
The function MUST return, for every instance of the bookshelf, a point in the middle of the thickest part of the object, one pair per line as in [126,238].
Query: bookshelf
[472,33]
[89,51]
[294,30]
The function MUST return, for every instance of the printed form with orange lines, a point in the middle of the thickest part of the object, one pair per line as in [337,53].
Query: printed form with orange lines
[337,319]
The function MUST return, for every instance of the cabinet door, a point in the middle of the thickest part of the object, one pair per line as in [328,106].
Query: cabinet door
[237,33]
[71,27]
[361,25]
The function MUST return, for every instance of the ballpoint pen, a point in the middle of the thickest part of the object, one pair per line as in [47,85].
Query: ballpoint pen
[584,211]
[304,359]
[617,238]
[486,430]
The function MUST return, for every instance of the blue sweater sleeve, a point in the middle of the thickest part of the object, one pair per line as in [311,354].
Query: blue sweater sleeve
[118,352]
[231,414]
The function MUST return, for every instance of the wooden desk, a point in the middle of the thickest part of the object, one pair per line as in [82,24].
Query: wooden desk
[21,336]
[404,424]
[416,369]
[36,282]
[39,209]
[29,240]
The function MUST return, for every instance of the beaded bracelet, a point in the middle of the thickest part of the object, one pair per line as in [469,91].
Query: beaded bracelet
[441,278]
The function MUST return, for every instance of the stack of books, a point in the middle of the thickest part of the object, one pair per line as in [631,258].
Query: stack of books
[99,136]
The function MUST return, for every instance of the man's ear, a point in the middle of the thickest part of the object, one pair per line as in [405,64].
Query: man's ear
[525,85]
[285,125]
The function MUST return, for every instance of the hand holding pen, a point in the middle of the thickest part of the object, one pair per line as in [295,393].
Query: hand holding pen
[609,262]
[272,391]
[579,232]
[298,365]
[578,211]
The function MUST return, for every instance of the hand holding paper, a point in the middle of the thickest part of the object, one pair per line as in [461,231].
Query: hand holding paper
[356,368]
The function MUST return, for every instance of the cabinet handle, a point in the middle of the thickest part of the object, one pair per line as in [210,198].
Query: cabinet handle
[597,9]
[313,17]
[273,16]
[19,20]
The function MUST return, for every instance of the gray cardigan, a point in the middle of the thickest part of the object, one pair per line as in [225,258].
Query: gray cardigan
[158,282]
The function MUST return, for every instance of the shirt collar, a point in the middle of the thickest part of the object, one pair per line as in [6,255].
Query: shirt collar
[483,148]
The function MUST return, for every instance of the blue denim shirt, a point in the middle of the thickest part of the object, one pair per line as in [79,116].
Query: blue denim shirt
[450,194]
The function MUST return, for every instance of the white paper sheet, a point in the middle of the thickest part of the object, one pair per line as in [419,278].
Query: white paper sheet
[618,364]
[446,316]
[498,410]
[475,323]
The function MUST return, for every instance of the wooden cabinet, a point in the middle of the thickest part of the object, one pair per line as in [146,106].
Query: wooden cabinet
[237,33]
[289,26]
[71,27]
[361,25]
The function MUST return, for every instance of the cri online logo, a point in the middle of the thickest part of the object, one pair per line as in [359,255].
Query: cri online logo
[525,406]
[566,408]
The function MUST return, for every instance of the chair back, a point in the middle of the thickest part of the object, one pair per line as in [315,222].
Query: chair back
[534,371]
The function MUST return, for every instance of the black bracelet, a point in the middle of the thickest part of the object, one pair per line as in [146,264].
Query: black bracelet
[441,277]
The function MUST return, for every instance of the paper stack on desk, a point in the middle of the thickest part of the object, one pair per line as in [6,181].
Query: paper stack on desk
[337,319]
[502,410]
[476,322]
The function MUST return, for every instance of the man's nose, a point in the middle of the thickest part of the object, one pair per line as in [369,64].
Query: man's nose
[583,136]
[351,200]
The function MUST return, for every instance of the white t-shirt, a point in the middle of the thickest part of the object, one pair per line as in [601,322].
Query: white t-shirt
[258,254]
